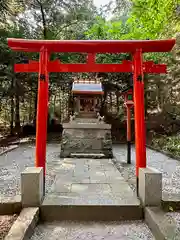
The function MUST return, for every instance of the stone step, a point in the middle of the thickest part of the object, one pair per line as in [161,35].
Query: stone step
[89,190]
[87,155]
[56,212]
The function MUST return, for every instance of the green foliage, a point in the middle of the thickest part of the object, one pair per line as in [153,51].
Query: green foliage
[168,144]
[107,30]
[146,19]
[10,8]
[151,18]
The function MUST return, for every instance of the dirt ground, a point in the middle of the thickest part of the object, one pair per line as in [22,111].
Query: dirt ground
[6,222]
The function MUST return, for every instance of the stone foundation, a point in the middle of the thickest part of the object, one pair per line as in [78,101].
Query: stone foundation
[32,187]
[86,137]
[150,186]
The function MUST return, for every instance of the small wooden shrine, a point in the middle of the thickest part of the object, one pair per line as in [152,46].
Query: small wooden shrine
[86,135]
[87,96]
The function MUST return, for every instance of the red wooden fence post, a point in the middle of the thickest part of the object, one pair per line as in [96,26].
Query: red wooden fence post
[140,141]
[42,111]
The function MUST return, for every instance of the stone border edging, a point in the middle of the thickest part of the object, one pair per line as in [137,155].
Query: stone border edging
[24,225]
[168,154]
[162,226]
[16,144]
[20,141]
[9,149]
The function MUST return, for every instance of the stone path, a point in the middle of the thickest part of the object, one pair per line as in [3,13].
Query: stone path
[88,182]
[136,230]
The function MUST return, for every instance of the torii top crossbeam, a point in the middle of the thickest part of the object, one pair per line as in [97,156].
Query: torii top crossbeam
[91,46]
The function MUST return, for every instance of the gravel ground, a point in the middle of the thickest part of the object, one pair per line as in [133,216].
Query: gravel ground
[6,222]
[14,162]
[135,230]
[169,167]
[175,216]
[7,148]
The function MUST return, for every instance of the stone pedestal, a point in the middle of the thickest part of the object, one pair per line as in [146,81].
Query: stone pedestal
[150,186]
[85,136]
[32,187]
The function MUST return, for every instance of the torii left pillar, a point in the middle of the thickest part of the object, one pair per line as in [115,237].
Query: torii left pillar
[42,111]
[140,135]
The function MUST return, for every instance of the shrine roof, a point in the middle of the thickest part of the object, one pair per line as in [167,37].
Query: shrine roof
[91,46]
[87,88]
[127,89]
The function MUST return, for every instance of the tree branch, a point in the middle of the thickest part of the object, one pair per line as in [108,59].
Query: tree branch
[65,26]
[43,20]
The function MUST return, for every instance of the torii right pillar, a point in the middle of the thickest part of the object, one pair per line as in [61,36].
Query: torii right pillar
[140,132]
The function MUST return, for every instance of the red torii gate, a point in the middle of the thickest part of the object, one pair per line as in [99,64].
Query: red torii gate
[137,67]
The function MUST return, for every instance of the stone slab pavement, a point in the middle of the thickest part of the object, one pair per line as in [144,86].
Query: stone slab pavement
[88,182]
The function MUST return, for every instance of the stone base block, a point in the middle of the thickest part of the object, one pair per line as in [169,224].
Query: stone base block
[32,187]
[150,186]
[79,137]
[86,154]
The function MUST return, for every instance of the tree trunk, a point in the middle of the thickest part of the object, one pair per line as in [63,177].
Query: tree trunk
[17,115]
[43,20]
[54,104]
[35,107]
[145,94]
[60,110]
[62,106]
[30,103]
[103,106]
[111,101]
[12,107]
[12,115]
[117,103]
[159,97]
[69,104]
